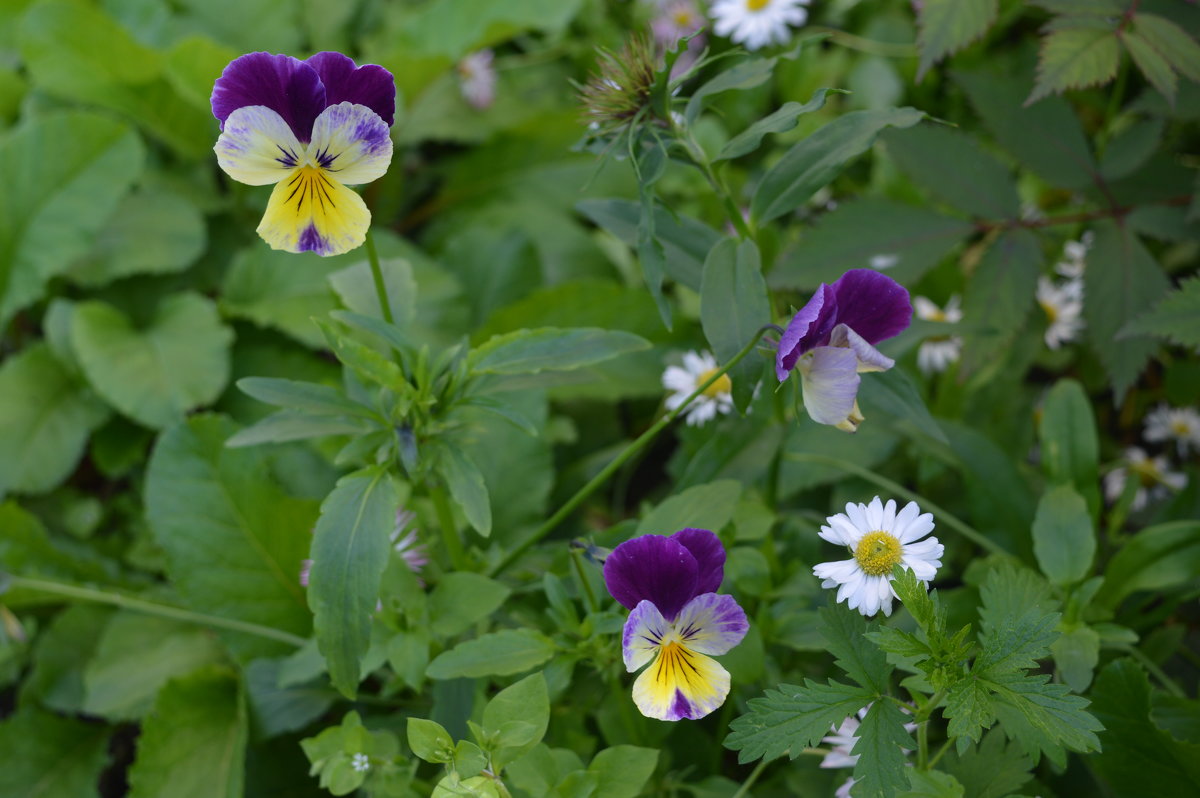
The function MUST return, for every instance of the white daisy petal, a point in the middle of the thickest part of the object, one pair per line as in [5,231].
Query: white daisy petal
[918,528]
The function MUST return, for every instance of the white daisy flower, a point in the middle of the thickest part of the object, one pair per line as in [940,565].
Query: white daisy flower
[884,260]
[1154,475]
[843,740]
[682,382]
[878,537]
[757,23]
[937,353]
[1179,424]
[360,763]
[477,79]
[1075,256]
[1063,305]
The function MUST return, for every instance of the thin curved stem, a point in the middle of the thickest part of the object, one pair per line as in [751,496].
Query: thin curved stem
[1166,681]
[385,306]
[744,790]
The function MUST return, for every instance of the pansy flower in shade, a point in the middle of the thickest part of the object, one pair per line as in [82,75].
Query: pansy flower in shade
[831,340]
[683,381]
[1178,424]
[677,619]
[879,538]
[310,128]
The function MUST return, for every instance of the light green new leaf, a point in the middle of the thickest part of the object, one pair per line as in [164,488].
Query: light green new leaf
[782,120]
[500,653]
[462,598]
[1176,317]
[1076,654]
[282,290]
[64,175]
[733,306]
[45,420]
[155,374]
[955,169]
[931,784]
[709,506]
[882,740]
[1158,558]
[349,552]
[1070,446]
[234,541]
[947,26]
[792,718]
[466,485]
[46,756]
[1064,541]
[355,286]
[552,349]
[999,296]
[623,770]
[1077,57]
[524,706]
[193,744]
[815,161]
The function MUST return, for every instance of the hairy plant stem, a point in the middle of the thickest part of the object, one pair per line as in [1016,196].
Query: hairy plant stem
[445,517]
[744,790]
[1113,212]
[923,745]
[154,608]
[385,306]
[632,449]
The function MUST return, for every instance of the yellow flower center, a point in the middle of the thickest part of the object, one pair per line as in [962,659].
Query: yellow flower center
[757,5]
[937,315]
[1051,311]
[683,18]
[1181,428]
[1146,472]
[723,385]
[877,552]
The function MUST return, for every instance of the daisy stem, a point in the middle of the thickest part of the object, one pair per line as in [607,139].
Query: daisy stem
[922,745]
[744,790]
[945,747]
[152,608]
[449,531]
[585,585]
[632,449]
[970,533]
[377,274]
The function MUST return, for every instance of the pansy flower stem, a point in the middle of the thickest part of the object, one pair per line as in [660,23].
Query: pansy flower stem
[585,586]
[441,506]
[385,306]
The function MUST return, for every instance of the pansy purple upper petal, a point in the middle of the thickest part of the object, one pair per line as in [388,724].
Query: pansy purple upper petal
[652,568]
[872,304]
[710,557]
[286,85]
[809,328]
[370,84]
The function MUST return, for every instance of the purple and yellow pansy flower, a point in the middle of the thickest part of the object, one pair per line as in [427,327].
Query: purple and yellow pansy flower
[310,128]
[677,619]
[832,339]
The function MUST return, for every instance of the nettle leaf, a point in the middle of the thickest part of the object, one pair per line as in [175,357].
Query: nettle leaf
[931,784]
[46,756]
[968,709]
[1077,52]
[193,744]
[1015,629]
[846,632]
[882,740]
[993,769]
[1044,718]
[955,169]
[1070,445]
[786,117]
[1064,541]
[1176,317]
[999,296]
[791,718]
[947,26]
[1122,282]
[733,306]
[500,653]
[552,349]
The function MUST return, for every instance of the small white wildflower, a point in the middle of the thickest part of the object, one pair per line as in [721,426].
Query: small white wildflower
[360,763]
[1178,424]
[1154,475]
[878,537]
[682,382]
[1063,305]
[477,79]
[1075,257]
[885,260]
[757,23]
[937,353]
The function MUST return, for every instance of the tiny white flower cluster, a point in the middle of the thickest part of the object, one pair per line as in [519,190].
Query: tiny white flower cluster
[360,762]
[1155,477]
[1074,258]
[1063,302]
[937,353]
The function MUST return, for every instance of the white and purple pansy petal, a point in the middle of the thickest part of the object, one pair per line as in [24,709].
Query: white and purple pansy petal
[809,328]
[869,358]
[829,383]
[286,85]
[352,143]
[711,624]
[680,684]
[257,146]
[643,635]
[344,81]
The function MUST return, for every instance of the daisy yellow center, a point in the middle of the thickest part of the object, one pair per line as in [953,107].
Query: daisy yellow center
[877,552]
[722,386]
[1146,472]
[1051,311]
[1181,428]
[757,5]
[937,315]
[683,18]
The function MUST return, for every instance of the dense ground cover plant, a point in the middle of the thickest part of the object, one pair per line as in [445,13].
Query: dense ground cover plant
[754,397]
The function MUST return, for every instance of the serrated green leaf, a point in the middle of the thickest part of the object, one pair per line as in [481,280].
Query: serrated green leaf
[733,306]
[1175,44]
[1070,446]
[783,119]
[791,718]
[192,745]
[955,169]
[999,296]
[1154,67]
[882,741]
[1176,317]
[708,506]
[1075,58]
[552,349]
[46,756]
[898,642]
[969,709]
[947,26]
[502,653]
[1016,629]
[1064,540]
[846,632]
[1158,558]
[931,784]
[995,768]
[1044,718]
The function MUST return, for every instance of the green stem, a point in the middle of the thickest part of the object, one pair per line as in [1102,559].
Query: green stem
[869,46]
[154,608]
[971,534]
[377,274]
[932,762]
[922,745]
[585,585]
[445,517]
[595,482]
[744,790]
[1172,687]
[929,706]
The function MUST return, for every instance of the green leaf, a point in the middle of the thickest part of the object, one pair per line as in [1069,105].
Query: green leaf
[1100,7]
[466,485]
[931,784]
[999,296]
[453,28]
[747,74]
[1064,541]
[1070,446]
[1046,137]
[1084,54]
[947,26]
[993,769]
[552,349]
[64,647]
[276,709]
[1176,45]
[1154,67]
[1138,757]
[1015,629]
[45,420]
[893,393]
[1044,718]
[46,756]
[816,160]
[709,506]
[502,653]
[1131,148]
[310,397]
[1076,654]
[1122,282]
[280,290]
[955,169]
[65,174]
[193,64]
[969,709]
[525,702]
[193,744]
[733,306]
[355,286]
[429,741]
[350,548]
[623,770]
[461,599]
[1176,317]
[882,740]
[792,718]
[239,558]
[155,374]
[1158,558]
[912,238]
[846,632]
[780,121]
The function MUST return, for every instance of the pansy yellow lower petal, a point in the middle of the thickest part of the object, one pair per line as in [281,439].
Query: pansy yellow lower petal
[680,683]
[257,147]
[309,212]
[352,143]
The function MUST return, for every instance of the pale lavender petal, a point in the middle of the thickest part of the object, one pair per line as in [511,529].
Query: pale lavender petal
[809,328]
[869,358]
[652,568]
[370,84]
[351,143]
[711,624]
[710,557]
[643,635]
[287,86]
[830,384]
[872,304]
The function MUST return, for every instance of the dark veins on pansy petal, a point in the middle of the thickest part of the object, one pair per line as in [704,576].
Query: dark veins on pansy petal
[300,90]
[666,571]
